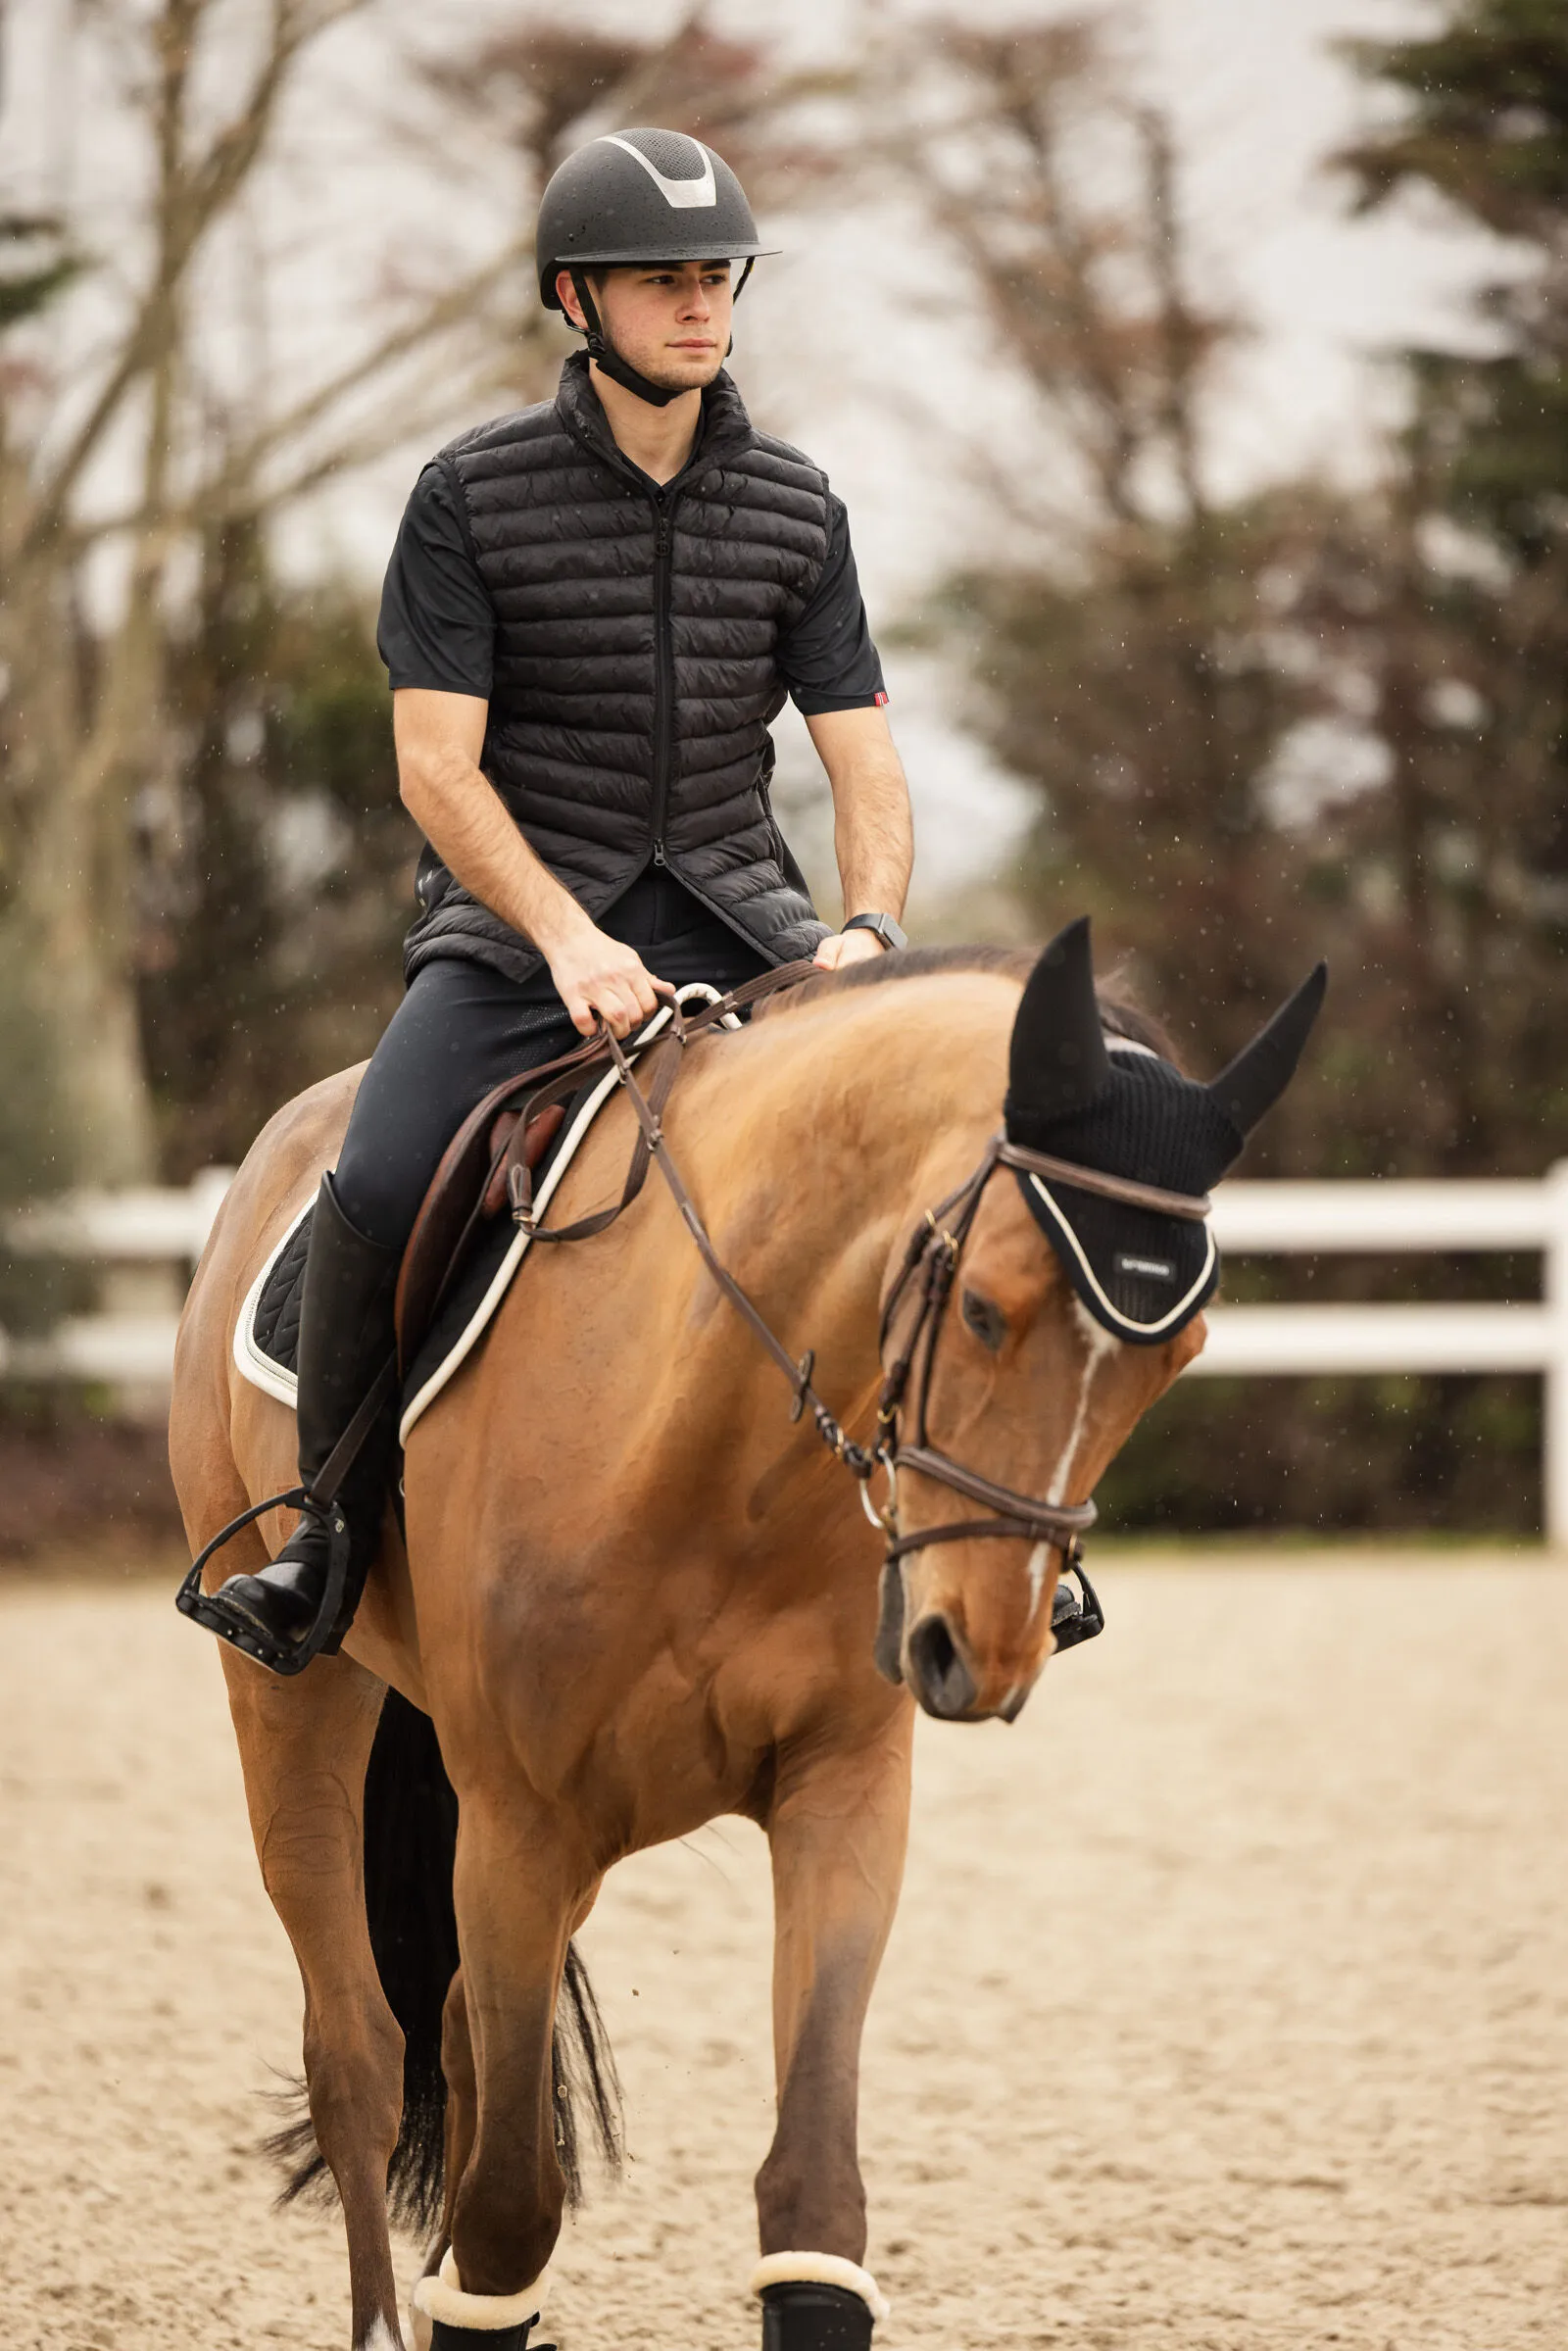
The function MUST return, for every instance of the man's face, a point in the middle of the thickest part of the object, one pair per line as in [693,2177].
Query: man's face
[669,321]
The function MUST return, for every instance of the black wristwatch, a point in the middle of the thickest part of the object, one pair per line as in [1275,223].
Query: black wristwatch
[886,929]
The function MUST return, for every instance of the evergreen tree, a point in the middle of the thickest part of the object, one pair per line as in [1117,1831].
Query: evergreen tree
[1486,126]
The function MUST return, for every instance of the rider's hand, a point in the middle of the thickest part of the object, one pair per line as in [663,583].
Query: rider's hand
[840,948]
[598,978]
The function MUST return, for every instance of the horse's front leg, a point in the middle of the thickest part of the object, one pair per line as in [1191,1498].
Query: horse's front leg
[837,1828]
[517,1899]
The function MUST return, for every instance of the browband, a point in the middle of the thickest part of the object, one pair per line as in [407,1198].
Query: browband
[1194,1206]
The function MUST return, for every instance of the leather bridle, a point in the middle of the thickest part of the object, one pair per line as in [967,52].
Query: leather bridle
[928,1271]
[932,1261]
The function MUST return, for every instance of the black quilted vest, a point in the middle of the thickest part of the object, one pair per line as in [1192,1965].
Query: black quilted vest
[635,663]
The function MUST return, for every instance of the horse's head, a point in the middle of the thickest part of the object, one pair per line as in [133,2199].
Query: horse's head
[1046,1315]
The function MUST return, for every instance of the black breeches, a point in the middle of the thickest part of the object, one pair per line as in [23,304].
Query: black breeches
[461,1030]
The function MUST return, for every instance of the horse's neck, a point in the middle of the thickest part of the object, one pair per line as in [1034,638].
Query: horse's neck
[818,1147]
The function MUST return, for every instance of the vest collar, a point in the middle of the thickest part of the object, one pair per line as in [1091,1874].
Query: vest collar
[725,426]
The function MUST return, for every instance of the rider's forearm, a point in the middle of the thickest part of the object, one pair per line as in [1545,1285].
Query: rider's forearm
[439,739]
[873,831]
[461,817]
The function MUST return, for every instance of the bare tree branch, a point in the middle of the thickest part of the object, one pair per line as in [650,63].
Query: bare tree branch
[192,196]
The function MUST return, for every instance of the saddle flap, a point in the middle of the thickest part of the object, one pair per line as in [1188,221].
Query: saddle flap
[469,1185]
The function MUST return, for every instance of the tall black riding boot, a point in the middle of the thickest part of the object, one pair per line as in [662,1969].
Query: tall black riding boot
[345,1339]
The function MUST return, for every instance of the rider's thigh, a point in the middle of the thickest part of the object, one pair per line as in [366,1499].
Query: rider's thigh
[461,1029]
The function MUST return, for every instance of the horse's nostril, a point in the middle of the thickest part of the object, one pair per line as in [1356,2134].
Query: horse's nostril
[942,1680]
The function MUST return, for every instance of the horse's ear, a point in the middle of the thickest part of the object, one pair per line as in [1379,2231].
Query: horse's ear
[1262,1070]
[1057,1063]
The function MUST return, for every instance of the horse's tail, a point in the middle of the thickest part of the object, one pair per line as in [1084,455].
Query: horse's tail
[411,1831]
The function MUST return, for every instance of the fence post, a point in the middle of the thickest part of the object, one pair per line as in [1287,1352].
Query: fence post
[1554,1388]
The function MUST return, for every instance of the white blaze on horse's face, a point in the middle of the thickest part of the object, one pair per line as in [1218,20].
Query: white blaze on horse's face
[1031,1390]
[1098,1344]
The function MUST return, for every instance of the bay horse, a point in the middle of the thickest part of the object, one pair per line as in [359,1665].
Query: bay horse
[635,1594]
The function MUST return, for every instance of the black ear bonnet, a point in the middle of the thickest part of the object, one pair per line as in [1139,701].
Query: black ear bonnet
[1106,1103]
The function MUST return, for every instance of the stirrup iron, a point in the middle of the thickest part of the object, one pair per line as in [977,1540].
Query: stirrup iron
[1072,1621]
[215,1614]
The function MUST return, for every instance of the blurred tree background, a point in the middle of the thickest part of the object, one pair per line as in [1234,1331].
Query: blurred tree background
[1257,728]
[1300,722]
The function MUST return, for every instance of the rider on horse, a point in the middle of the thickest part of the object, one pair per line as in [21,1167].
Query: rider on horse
[594,609]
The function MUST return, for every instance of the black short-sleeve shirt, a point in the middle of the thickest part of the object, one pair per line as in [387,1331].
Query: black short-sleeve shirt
[437,625]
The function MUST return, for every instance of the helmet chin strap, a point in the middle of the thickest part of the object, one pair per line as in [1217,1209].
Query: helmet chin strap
[604,356]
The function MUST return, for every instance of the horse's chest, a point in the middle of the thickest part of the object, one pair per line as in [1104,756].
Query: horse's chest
[699,1729]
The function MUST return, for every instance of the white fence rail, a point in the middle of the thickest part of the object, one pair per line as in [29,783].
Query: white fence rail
[1399,1218]
[124,1229]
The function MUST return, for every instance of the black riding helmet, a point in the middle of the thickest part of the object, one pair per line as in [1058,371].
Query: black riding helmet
[639,196]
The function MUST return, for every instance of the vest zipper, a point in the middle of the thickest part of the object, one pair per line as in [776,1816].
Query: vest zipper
[664,671]
[664,713]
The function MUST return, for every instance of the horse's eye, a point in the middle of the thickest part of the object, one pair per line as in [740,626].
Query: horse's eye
[985,1319]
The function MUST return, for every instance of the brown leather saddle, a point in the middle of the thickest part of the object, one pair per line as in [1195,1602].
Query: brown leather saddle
[468,1190]
[489,1164]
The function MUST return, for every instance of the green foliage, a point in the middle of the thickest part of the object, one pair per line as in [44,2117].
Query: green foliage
[1487,120]
[29,1138]
[33,1149]
[1451,1455]
[1486,128]
[36,265]
[277,878]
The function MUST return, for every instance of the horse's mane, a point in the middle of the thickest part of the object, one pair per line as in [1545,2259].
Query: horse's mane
[1119,1010]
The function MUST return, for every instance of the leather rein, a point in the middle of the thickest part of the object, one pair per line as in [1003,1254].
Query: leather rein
[927,1273]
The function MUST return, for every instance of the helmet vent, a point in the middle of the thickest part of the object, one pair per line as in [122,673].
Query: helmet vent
[681,169]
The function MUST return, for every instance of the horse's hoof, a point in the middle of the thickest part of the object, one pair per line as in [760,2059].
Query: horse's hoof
[802,2316]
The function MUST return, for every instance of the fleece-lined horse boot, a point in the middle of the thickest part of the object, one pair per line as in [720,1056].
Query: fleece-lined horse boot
[462,2321]
[345,1342]
[816,2302]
